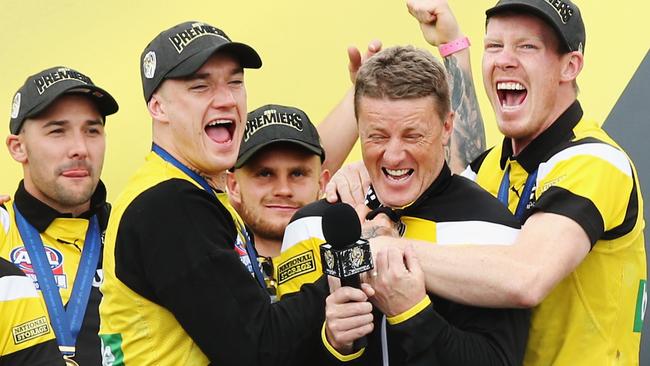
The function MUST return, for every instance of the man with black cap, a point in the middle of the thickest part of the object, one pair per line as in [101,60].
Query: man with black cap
[278,171]
[580,257]
[53,230]
[182,281]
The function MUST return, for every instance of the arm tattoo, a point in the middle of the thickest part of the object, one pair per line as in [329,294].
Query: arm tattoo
[468,138]
[372,232]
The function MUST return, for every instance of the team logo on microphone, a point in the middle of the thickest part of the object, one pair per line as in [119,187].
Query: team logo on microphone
[329,259]
[356,256]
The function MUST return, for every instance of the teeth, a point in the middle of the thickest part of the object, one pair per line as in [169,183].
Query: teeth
[219,122]
[397,172]
[510,86]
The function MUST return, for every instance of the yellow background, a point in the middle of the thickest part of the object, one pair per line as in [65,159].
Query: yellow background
[302,44]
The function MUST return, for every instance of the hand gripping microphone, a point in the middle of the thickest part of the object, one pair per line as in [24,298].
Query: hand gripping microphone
[344,255]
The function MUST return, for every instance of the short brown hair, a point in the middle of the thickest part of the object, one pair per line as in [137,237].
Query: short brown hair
[403,72]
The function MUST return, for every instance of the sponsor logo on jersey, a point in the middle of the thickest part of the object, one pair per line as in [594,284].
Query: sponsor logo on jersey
[20,258]
[62,74]
[30,330]
[183,38]
[272,117]
[240,248]
[641,304]
[111,348]
[296,266]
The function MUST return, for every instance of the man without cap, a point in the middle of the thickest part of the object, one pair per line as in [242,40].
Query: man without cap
[403,108]
[580,257]
[182,282]
[53,230]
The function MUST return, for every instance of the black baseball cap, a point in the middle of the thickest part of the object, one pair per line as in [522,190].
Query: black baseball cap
[182,49]
[563,15]
[274,123]
[43,88]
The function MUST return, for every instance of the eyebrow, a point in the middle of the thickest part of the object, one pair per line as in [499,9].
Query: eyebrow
[205,75]
[59,123]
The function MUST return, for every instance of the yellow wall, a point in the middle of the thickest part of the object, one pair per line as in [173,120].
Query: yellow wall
[302,44]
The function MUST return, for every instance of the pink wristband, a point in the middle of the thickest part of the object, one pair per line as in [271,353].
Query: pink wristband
[454,46]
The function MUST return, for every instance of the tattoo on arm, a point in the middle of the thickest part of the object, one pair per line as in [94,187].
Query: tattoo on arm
[468,138]
[372,232]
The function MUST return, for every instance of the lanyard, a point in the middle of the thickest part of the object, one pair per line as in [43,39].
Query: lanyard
[66,323]
[252,255]
[525,195]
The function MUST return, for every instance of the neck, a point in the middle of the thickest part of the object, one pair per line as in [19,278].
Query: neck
[268,247]
[563,102]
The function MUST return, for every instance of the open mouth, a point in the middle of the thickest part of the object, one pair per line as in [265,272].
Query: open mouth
[397,174]
[221,130]
[511,94]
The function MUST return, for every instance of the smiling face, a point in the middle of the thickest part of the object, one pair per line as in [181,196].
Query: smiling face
[201,117]
[62,152]
[523,75]
[273,185]
[402,142]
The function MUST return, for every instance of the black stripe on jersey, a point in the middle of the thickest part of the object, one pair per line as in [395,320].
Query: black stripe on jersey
[464,200]
[141,239]
[631,214]
[475,165]
[42,354]
[582,210]
[9,269]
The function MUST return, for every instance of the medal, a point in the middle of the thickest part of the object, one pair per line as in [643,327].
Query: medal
[69,361]
[68,353]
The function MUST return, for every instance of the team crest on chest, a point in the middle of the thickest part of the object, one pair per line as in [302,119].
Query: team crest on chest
[20,258]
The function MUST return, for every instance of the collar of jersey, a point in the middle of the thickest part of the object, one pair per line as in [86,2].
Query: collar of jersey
[538,150]
[40,215]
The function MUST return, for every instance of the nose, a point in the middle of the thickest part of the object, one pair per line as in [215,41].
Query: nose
[282,188]
[223,98]
[393,152]
[505,59]
[78,146]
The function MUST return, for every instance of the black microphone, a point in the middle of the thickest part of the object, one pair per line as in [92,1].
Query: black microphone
[344,255]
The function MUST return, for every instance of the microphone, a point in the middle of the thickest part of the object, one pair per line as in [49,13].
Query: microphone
[344,255]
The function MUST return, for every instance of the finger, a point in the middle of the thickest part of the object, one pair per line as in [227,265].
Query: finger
[335,311]
[330,192]
[373,47]
[411,260]
[354,57]
[334,283]
[351,335]
[4,198]
[395,260]
[368,290]
[347,294]
[381,265]
[362,211]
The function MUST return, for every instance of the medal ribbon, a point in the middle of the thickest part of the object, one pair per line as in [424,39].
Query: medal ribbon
[525,195]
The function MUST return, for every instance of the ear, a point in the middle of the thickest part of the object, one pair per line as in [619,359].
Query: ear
[233,188]
[447,128]
[572,65]
[322,182]
[156,107]
[17,148]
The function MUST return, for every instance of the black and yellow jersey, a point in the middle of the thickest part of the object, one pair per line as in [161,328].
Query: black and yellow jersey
[177,290]
[595,315]
[63,239]
[27,337]
[452,211]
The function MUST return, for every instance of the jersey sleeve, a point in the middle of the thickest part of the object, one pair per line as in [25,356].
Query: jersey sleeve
[592,183]
[27,336]
[175,246]
[299,262]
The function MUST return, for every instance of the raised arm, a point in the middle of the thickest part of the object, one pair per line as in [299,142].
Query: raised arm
[338,131]
[439,26]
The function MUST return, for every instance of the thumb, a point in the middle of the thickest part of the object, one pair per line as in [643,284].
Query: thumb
[330,193]
[362,211]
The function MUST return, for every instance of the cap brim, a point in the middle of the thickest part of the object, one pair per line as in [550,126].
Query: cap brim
[534,10]
[247,56]
[105,103]
[243,158]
